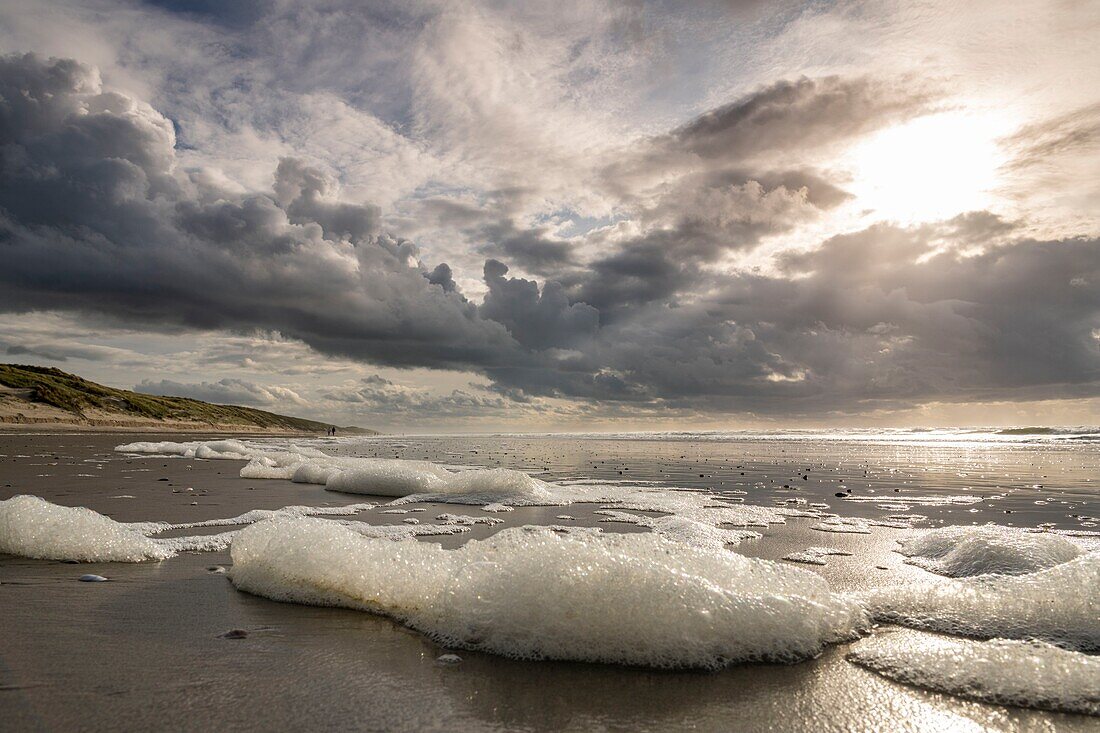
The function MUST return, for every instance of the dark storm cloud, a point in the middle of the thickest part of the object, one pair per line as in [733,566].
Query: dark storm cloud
[804,112]
[96,216]
[884,314]
[885,317]
[532,248]
[492,232]
[642,271]
[693,224]
[442,277]
[539,320]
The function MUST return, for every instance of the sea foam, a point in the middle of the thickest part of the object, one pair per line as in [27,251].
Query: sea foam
[529,593]
[1060,604]
[33,527]
[966,551]
[1025,673]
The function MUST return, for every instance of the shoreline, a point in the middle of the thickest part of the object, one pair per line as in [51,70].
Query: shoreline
[144,428]
[175,642]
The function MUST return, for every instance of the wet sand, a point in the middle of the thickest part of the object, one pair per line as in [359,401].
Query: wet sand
[144,651]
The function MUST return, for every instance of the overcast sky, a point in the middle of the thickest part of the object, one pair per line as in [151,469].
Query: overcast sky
[431,216]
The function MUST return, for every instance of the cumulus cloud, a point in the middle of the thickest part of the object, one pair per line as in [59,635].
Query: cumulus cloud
[537,319]
[378,396]
[225,392]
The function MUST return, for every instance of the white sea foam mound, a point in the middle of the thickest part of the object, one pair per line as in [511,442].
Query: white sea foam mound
[385,477]
[372,476]
[535,594]
[263,467]
[312,473]
[426,481]
[481,486]
[499,488]
[964,551]
[1059,605]
[1026,673]
[228,449]
[33,527]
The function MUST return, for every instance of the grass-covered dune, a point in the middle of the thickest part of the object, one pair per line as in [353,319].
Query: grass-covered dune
[33,395]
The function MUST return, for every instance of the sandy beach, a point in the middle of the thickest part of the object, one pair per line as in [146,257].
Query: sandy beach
[147,650]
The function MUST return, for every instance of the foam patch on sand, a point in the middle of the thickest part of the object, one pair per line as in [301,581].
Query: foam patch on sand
[1060,604]
[814,555]
[930,500]
[682,529]
[33,527]
[384,477]
[1026,673]
[258,515]
[534,594]
[698,515]
[214,449]
[966,551]
[857,525]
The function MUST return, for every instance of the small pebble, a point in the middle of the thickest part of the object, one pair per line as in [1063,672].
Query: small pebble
[448,659]
[216,569]
[91,578]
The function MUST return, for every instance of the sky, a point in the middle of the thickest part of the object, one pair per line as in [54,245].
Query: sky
[481,216]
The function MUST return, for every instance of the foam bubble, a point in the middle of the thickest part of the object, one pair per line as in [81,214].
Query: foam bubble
[1025,673]
[534,594]
[1060,604]
[965,551]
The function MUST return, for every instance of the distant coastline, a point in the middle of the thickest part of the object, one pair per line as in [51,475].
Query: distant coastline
[44,399]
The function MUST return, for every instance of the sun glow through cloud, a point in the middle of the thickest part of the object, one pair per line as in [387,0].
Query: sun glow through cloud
[929,168]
